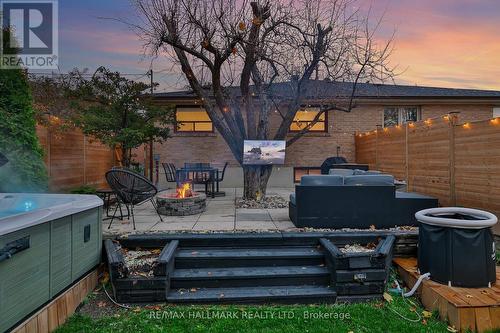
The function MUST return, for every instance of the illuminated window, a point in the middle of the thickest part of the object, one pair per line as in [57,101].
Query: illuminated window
[397,115]
[193,119]
[496,112]
[305,116]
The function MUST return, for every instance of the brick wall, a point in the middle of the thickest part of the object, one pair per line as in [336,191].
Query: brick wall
[313,148]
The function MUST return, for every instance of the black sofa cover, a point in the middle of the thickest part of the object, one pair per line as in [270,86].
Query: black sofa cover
[354,204]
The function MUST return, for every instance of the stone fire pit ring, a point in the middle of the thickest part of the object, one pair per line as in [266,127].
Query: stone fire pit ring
[170,205]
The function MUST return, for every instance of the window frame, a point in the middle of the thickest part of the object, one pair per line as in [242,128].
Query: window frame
[400,110]
[325,121]
[176,130]
[496,112]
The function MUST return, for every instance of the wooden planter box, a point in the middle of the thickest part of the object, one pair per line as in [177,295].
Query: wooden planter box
[139,288]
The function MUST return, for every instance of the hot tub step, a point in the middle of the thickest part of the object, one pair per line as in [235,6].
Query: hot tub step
[255,295]
[244,257]
[250,276]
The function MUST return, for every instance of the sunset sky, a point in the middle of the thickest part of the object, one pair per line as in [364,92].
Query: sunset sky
[447,43]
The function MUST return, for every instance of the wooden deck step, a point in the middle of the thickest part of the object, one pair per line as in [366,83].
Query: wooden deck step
[475,309]
[250,276]
[243,257]
[255,295]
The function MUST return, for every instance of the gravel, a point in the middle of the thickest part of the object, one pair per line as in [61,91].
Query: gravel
[269,202]
[356,248]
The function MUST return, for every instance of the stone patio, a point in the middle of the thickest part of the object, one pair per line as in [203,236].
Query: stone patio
[220,215]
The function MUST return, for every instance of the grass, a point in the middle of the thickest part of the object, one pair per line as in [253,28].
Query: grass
[367,317]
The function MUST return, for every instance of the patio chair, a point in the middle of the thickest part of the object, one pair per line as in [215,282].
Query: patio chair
[132,190]
[196,175]
[170,172]
[220,176]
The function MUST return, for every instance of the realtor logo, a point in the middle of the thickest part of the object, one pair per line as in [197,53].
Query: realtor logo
[30,34]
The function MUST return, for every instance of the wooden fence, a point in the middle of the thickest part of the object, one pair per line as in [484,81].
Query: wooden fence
[457,163]
[73,159]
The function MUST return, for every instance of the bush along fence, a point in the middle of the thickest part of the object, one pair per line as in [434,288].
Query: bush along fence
[73,159]
[456,162]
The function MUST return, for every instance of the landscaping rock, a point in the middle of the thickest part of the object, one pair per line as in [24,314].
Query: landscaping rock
[269,202]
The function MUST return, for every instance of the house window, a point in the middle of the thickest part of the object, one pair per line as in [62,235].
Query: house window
[298,172]
[305,116]
[397,115]
[193,119]
[496,112]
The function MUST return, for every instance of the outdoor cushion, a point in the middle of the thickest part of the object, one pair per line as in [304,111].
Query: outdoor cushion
[358,172]
[379,180]
[292,198]
[341,172]
[322,180]
[411,195]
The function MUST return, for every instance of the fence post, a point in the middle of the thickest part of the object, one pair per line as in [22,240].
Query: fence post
[49,163]
[407,159]
[84,159]
[377,167]
[452,120]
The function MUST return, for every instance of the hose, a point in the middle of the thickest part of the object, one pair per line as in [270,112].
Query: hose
[415,287]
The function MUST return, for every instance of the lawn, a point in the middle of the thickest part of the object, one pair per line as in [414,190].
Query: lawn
[368,317]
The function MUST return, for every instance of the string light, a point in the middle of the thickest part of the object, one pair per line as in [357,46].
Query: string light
[446,117]
[495,121]
[411,125]
[466,125]
[428,122]
[386,129]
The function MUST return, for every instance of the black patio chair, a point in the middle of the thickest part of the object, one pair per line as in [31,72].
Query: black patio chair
[196,175]
[132,190]
[170,172]
[197,165]
[220,176]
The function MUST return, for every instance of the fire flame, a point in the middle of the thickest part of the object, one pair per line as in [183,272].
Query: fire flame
[184,191]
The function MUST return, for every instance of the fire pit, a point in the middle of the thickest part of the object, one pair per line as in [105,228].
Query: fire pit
[183,202]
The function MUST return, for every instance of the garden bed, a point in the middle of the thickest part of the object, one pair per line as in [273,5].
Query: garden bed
[137,275]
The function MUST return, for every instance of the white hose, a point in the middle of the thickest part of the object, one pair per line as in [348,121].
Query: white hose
[415,287]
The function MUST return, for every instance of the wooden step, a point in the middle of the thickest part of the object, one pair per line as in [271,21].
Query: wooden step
[244,257]
[254,295]
[250,276]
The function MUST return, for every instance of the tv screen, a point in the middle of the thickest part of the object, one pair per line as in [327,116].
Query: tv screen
[264,152]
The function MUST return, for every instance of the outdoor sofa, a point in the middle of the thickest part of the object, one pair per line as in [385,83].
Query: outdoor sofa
[357,200]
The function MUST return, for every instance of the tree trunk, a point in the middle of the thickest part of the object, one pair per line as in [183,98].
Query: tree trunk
[126,157]
[255,181]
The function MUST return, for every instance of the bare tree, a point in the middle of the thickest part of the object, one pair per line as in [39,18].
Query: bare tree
[246,59]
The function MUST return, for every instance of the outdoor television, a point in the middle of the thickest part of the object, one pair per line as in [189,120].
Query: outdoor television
[264,152]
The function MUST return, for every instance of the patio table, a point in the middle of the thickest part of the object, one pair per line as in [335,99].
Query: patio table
[182,175]
[107,195]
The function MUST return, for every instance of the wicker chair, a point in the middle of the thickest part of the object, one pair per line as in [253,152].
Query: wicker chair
[132,190]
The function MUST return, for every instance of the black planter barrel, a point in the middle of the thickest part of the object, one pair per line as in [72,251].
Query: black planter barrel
[456,246]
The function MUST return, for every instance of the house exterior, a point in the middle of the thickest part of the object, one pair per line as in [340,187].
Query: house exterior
[196,140]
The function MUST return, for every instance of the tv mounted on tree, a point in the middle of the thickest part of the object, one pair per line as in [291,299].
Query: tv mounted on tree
[264,152]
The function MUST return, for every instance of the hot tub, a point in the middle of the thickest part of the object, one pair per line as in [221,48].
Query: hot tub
[456,246]
[47,242]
